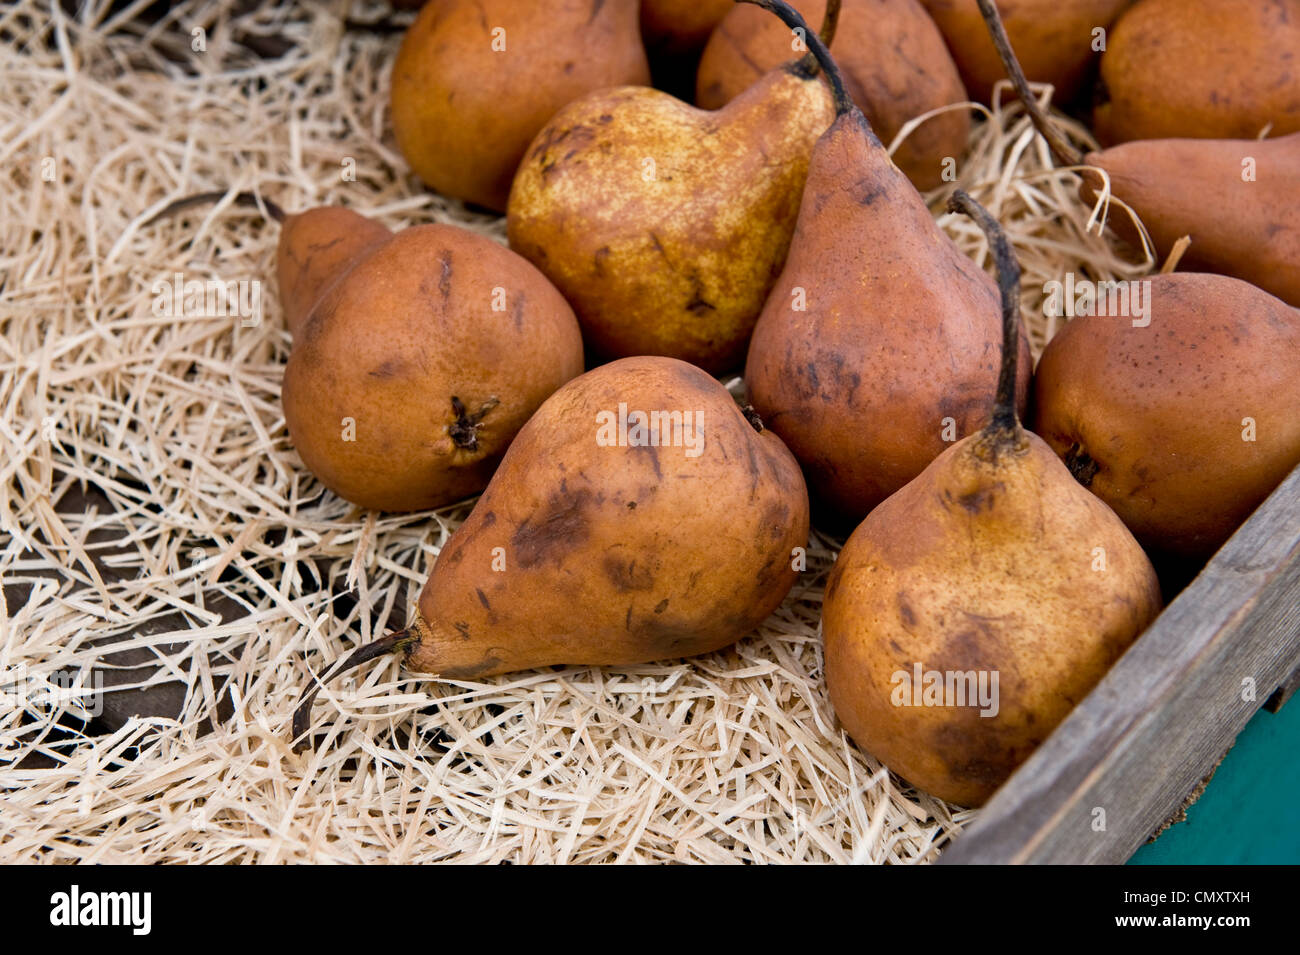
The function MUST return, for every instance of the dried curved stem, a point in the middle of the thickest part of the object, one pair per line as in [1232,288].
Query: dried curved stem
[246,199]
[1004,406]
[816,47]
[400,641]
[1061,147]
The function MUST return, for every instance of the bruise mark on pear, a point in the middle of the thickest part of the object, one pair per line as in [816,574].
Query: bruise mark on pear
[470,671]
[625,575]
[560,525]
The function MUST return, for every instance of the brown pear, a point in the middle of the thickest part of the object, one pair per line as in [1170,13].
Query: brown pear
[1201,69]
[317,247]
[879,343]
[417,356]
[414,371]
[895,68]
[1175,400]
[1056,39]
[1237,200]
[476,79]
[973,609]
[664,225]
[639,516]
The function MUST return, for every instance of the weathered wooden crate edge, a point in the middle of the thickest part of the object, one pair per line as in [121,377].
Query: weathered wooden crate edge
[1128,756]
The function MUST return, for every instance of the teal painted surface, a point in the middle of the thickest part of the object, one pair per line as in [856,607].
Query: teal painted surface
[1250,812]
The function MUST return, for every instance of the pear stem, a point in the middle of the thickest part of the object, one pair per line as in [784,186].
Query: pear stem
[1061,147]
[1004,417]
[830,23]
[818,49]
[246,199]
[807,64]
[399,641]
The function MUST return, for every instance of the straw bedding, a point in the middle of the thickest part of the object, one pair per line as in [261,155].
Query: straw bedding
[226,571]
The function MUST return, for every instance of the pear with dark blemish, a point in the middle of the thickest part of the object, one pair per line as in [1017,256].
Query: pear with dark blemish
[640,515]
[664,225]
[878,346]
[475,80]
[1184,415]
[970,612]
[411,373]
[417,355]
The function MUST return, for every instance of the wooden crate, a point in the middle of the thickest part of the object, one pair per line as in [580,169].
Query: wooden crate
[1129,755]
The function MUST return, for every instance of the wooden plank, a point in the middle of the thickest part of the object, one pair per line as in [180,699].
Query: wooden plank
[1164,715]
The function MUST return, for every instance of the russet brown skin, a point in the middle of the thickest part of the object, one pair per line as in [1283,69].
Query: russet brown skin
[408,328]
[464,113]
[317,247]
[1151,419]
[895,65]
[1194,187]
[1216,69]
[616,554]
[1053,39]
[678,264]
[985,561]
[901,331]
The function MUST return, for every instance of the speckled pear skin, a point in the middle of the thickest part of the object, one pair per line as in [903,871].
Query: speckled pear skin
[987,561]
[665,225]
[895,65]
[464,112]
[316,248]
[616,554]
[1202,69]
[900,331]
[1151,418]
[1249,229]
[407,329]
[1052,38]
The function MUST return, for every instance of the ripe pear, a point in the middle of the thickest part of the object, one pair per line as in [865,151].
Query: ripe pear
[412,373]
[417,355]
[609,536]
[1183,415]
[476,79]
[992,564]
[1237,200]
[664,225]
[895,68]
[1201,69]
[879,343]
[1056,39]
